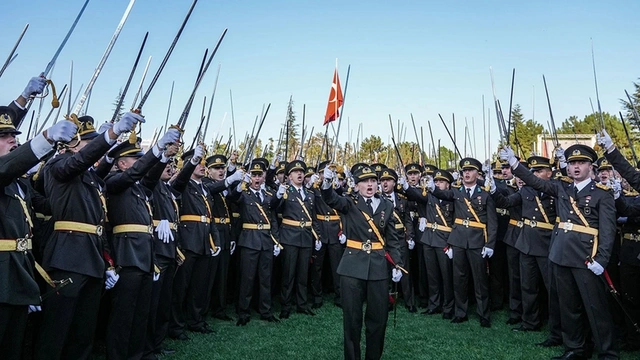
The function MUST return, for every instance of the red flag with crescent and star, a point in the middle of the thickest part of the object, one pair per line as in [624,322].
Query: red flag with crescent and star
[335,100]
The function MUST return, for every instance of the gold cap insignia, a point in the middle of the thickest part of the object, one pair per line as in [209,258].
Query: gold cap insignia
[386,173]
[467,162]
[438,173]
[534,162]
[413,167]
[366,170]
[5,119]
[256,166]
[604,163]
[576,152]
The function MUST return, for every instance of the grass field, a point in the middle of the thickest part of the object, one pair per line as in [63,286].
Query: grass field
[416,336]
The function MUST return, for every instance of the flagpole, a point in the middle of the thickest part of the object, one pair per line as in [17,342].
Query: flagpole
[344,96]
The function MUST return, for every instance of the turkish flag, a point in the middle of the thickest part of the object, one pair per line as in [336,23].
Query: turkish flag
[335,100]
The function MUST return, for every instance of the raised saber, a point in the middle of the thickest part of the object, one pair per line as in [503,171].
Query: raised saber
[166,120]
[126,86]
[513,78]
[553,124]
[64,41]
[595,80]
[450,136]
[233,121]
[626,132]
[213,95]
[15,47]
[144,75]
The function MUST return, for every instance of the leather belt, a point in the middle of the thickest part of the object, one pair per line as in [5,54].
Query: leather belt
[137,228]
[503,212]
[567,226]
[434,227]
[296,223]
[632,237]
[79,227]
[540,224]
[195,218]
[328,218]
[367,246]
[470,223]
[22,244]
[247,226]
[517,223]
[221,220]
[172,225]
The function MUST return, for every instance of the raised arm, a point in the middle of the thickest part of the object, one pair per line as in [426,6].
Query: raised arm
[335,201]
[503,201]
[625,169]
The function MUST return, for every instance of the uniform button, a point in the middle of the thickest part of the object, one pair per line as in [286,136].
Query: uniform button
[370,230]
[591,241]
[571,212]
[536,209]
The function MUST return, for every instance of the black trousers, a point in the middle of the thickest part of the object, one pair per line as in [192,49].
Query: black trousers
[13,322]
[255,263]
[420,287]
[629,275]
[295,274]
[439,269]
[203,298]
[532,269]
[583,293]
[406,282]
[131,300]
[69,318]
[219,289]
[160,310]
[498,274]
[515,291]
[470,262]
[188,285]
[355,292]
[334,253]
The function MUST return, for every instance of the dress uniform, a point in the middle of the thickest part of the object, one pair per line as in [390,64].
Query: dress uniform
[77,247]
[438,266]
[258,242]
[405,232]
[371,232]
[472,238]
[18,289]
[414,172]
[330,225]
[131,220]
[298,234]
[579,251]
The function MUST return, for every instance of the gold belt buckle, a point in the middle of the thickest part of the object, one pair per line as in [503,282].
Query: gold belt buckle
[203,219]
[150,229]
[520,224]
[502,211]
[327,218]
[22,244]
[465,223]
[366,246]
[533,223]
[434,226]
[223,220]
[174,226]
[303,223]
[99,230]
[567,227]
[260,226]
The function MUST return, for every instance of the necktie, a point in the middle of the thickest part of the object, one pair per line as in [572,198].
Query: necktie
[369,201]
[469,193]
[258,195]
[301,194]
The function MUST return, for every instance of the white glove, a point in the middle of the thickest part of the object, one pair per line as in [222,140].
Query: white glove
[232,246]
[396,275]
[411,244]
[328,174]
[34,308]
[342,238]
[63,130]
[170,137]
[276,250]
[605,140]
[111,280]
[156,276]
[236,176]
[506,154]
[318,245]
[617,188]
[127,122]
[35,86]
[215,253]
[247,178]
[164,231]
[105,127]
[198,153]
[403,182]
[449,252]
[276,159]
[455,175]
[489,183]
[486,167]
[595,268]
[431,185]
[560,155]
[487,252]
[422,224]
[314,179]
[282,189]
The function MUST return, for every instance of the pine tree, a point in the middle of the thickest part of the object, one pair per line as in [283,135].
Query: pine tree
[118,110]
[291,140]
[635,97]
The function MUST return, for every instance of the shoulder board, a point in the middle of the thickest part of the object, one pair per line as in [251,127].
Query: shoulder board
[567,179]
[401,196]
[603,187]
[457,186]
[485,188]
[268,193]
[631,193]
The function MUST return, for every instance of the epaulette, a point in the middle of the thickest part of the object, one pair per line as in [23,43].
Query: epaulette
[631,193]
[603,187]
[401,196]
[486,188]
[512,183]
[268,193]
[567,179]
[456,185]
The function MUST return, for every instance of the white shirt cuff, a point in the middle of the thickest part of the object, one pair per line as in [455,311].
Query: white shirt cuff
[40,146]
[18,105]
[108,139]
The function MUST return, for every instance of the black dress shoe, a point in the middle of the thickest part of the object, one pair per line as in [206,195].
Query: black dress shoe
[523,328]
[485,323]
[223,317]
[431,312]
[270,318]
[447,316]
[284,315]
[164,351]
[513,321]
[306,312]
[412,309]
[242,321]
[458,320]
[179,336]
[569,355]
[204,329]
[549,343]
[316,306]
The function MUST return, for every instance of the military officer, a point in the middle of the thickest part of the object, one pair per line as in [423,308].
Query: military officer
[371,233]
[580,250]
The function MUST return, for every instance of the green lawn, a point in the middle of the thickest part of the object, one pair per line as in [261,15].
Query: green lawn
[416,336]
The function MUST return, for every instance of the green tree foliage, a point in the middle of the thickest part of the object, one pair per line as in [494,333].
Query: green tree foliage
[523,133]
[635,98]
[371,149]
[292,139]
[120,110]
[590,124]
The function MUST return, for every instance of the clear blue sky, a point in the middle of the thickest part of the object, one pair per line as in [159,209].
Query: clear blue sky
[420,57]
